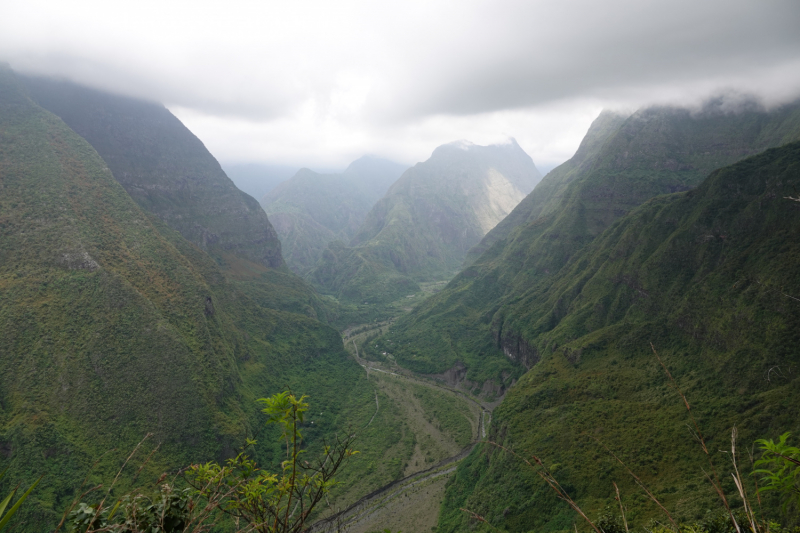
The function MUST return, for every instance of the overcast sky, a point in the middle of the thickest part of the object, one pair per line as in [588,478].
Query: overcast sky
[320,83]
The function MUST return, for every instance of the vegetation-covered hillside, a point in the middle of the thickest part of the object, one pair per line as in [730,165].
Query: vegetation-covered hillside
[711,278]
[424,226]
[169,173]
[655,151]
[115,326]
[311,210]
[165,169]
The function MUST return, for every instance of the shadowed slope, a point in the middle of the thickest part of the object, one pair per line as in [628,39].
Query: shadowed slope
[165,169]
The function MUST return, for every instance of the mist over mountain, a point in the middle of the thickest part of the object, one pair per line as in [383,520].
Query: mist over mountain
[257,179]
[186,232]
[311,210]
[428,220]
[165,169]
[454,316]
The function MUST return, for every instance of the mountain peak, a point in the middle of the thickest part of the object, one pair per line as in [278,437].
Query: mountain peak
[430,217]
[504,148]
[462,144]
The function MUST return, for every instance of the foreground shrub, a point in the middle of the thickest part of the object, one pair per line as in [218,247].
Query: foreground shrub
[239,493]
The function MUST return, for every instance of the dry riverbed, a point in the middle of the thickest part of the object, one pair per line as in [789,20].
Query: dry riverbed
[445,423]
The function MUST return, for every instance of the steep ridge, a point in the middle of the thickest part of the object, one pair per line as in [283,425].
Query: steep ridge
[311,210]
[711,278]
[169,173]
[654,151]
[424,226]
[550,190]
[165,169]
[114,326]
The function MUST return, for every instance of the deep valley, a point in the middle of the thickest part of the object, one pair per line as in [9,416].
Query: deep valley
[506,350]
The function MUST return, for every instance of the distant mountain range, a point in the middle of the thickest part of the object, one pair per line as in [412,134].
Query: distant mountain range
[423,227]
[311,210]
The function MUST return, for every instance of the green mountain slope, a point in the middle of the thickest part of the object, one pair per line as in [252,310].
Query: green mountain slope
[424,226]
[165,168]
[652,152]
[711,278]
[169,173]
[115,326]
[311,210]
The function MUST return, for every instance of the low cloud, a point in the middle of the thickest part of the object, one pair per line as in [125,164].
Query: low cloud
[318,82]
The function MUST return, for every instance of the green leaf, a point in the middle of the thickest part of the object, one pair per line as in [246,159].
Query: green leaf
[114,510]
[22,498]
[4,503]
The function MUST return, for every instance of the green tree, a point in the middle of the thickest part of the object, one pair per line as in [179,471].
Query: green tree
[779,469]
[274,502]
[254,499]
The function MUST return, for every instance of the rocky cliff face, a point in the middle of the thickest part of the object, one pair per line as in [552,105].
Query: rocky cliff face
[165,169]
[550,190]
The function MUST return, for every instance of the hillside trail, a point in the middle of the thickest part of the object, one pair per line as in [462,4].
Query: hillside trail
[412,502]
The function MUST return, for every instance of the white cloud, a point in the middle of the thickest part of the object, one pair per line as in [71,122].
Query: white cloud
[320,82]
[550,134]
